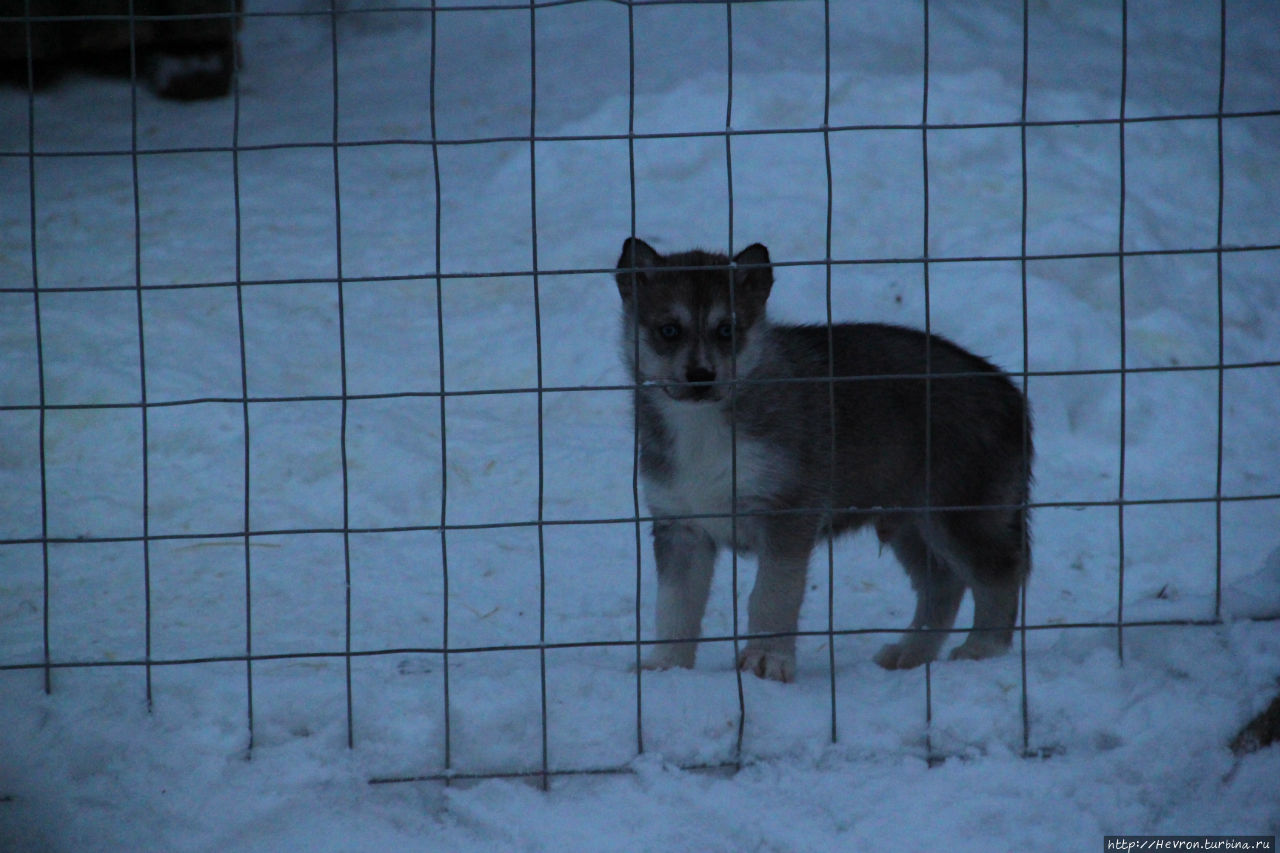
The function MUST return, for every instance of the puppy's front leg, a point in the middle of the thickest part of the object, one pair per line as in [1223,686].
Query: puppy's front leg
[774,608]
[686,557]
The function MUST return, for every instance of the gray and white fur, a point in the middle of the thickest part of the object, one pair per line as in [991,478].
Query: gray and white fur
[939,465]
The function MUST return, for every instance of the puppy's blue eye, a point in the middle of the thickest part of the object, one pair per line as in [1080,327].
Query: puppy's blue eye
[669,331]
[725,331]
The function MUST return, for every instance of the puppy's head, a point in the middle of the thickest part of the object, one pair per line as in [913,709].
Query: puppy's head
[691,319]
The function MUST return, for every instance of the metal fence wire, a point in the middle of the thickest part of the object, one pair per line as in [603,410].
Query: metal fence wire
[445,528]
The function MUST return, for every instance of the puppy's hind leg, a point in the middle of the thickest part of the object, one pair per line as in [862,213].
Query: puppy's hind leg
[938,594]
[994,547]
[686,557]
[995,610]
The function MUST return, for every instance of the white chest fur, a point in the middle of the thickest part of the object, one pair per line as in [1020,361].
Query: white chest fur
[703,460]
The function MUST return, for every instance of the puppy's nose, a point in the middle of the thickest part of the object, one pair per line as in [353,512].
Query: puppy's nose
[700,374]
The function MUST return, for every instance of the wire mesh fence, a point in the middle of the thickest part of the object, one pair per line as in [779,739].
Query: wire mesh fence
[350,535]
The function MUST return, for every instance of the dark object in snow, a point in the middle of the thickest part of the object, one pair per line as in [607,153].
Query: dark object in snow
[190,57]
[1262,731]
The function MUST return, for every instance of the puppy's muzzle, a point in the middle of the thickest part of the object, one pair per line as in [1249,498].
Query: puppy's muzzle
[699,385]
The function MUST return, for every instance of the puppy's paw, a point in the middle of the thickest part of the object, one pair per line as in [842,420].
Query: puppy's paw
[773,665]
[979,648]
[904,655]
[653,664]
[668,657]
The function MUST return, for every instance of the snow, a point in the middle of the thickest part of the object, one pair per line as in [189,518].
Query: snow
[1133,746]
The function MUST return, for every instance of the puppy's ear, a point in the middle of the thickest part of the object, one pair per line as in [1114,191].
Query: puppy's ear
[754,276]
[636,257]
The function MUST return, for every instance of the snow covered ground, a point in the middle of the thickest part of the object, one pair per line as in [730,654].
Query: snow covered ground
[1134,747]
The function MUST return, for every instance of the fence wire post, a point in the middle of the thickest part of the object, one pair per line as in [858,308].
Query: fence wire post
[246,521]
[634,378]
[537,333]
[930,563]
[444,434]
[39,335]
[1124,360]
[1217,488]
[142,345]
[342,370]
[831,361]
[1026,370]
[733,396]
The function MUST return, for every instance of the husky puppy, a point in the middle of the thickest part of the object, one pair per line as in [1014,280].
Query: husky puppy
[767,438]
